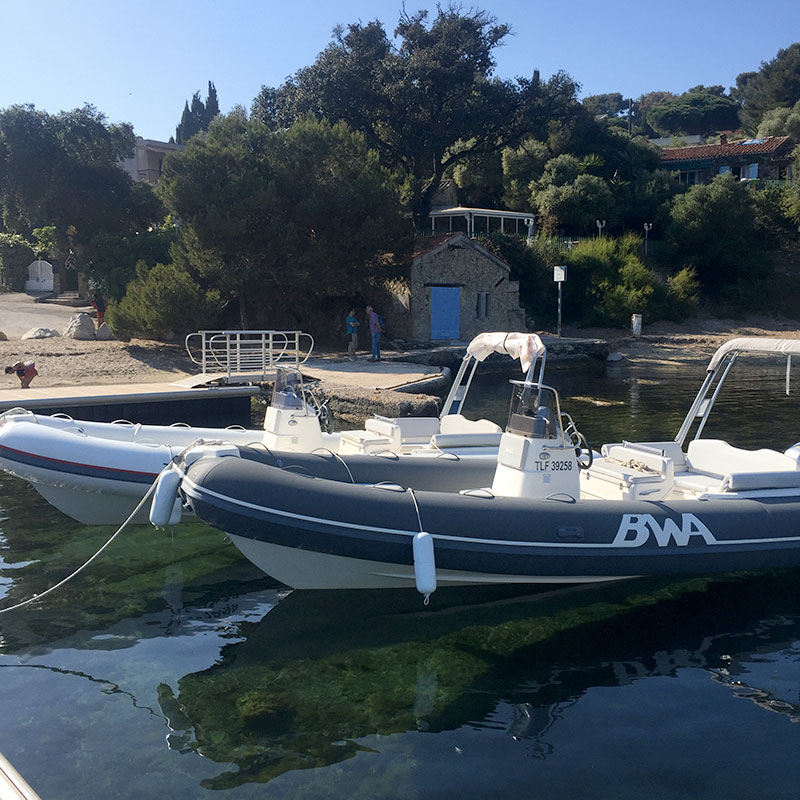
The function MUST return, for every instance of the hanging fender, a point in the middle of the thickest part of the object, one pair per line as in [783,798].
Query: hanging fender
[165,508]
[424,564]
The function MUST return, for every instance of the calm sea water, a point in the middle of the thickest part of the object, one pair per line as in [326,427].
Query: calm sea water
[173,668]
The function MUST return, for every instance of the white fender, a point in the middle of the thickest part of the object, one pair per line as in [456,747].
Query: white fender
[165,499]
[424,564]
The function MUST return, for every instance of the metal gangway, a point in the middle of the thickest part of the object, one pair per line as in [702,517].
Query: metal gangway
[248,355]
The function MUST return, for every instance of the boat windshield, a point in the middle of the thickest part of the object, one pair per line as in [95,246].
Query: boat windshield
[534,411]
[288,390]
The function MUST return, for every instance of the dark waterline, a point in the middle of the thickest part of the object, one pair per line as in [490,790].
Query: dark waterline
[174,668]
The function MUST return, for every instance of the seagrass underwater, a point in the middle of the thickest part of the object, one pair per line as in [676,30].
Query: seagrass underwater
[176,663]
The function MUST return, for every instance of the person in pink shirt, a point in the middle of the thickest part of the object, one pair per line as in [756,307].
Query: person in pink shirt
[26,372]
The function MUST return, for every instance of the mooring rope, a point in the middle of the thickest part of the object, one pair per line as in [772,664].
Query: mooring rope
[83,566]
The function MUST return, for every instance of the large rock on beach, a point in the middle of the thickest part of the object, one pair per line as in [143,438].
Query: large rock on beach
[103,333]
[80,326]
[3,337]
[40,333]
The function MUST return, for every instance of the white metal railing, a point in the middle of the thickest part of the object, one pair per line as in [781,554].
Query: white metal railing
[248,352]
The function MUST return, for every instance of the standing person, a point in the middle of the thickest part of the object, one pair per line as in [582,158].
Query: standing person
[26,372]
[100,304]
[376,330]
[352,324]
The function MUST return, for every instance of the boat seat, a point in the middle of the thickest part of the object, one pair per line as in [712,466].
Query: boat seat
[413,430]
[449,441]
[753,481]
[378,436]
[717,457]
[629,473]
[718,467]
[458,424]
[692,484]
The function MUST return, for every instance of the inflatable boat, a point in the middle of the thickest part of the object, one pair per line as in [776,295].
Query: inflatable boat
[554,512]
[97,472]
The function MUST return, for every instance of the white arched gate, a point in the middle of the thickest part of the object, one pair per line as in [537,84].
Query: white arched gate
[40,277]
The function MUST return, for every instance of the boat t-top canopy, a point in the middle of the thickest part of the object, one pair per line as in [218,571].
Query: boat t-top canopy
[719,367]
[753,344]
[528,348]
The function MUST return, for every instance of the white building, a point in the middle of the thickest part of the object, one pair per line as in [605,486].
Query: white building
[146,163]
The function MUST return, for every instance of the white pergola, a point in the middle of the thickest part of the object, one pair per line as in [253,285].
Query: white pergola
[510,221]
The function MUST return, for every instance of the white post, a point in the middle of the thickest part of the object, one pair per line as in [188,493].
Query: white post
[647,228]
[559,276]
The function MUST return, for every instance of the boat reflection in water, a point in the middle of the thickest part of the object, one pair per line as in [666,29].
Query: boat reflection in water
[324,675]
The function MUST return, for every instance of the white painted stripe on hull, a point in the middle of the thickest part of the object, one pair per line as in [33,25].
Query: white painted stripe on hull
[305,569]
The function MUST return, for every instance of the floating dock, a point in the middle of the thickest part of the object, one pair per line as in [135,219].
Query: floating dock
[148,403]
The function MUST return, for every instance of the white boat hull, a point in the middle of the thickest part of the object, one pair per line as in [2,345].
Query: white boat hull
[304,569]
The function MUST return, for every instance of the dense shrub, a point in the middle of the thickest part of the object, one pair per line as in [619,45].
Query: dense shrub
[713,229]
[610,282]
[607,281]
[15,255]
[628,292]
[163,303]
[683,291]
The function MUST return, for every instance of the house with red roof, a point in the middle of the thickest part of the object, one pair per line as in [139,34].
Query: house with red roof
[768,159]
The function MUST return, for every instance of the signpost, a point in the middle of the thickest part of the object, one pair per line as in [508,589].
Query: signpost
[559,276]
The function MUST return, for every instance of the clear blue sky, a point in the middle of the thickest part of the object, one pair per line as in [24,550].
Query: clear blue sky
[139,62]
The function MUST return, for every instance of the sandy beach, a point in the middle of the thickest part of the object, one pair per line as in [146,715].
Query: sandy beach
[64,362]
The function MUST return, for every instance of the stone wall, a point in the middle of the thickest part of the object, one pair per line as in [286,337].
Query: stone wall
[475,271]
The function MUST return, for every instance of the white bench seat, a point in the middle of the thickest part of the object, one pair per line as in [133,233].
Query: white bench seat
[717,457]
[716,467]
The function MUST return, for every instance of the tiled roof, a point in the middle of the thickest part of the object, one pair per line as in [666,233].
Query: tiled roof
[429,243]
[432,244]
[743,147]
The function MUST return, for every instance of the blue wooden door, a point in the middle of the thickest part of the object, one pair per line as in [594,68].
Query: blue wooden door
[445,312]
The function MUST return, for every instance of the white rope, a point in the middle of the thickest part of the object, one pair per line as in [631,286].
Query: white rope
[321,450]
[83,566]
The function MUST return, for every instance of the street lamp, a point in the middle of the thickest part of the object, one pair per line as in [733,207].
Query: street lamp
[600,226]
[648,226]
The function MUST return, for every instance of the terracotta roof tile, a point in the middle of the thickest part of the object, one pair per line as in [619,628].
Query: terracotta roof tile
[743,147]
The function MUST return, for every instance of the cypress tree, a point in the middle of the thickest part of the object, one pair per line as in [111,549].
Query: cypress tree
[197,116]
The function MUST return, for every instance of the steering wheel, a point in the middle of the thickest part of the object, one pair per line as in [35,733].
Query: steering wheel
[583,450]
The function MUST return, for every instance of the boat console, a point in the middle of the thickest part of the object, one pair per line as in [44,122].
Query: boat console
[292,421]
[537,456]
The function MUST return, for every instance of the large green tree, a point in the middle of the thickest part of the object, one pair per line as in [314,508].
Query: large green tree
[608,105]
[776,83]
[280,220]
[427,104]
[62,172]
[701,110]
